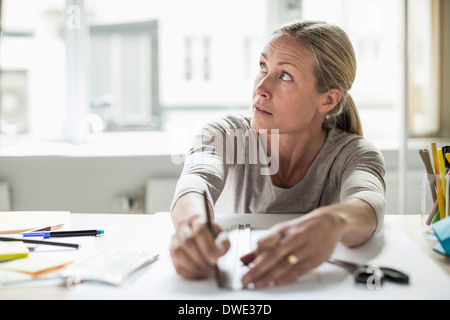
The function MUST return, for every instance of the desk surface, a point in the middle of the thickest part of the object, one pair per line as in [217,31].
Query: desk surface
[411,226]
[139,230]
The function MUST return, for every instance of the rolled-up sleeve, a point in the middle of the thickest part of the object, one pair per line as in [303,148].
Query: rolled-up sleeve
[363,178]
[204,167]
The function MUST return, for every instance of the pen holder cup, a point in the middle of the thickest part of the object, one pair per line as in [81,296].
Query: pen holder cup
[434,206]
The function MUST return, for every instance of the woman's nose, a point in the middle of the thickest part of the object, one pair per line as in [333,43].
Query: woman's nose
[263,88]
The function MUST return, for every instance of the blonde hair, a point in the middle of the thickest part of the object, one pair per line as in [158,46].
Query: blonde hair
[336,68]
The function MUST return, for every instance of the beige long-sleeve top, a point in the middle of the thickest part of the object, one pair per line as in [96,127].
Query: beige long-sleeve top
[227,156]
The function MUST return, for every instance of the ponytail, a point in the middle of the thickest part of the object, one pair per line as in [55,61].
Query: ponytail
[344,116]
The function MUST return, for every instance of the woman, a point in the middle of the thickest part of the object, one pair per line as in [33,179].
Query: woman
[324,167]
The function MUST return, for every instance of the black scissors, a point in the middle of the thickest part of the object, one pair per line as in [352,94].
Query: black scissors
[362,273]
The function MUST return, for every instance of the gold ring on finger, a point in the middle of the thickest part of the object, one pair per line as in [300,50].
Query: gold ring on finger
[292,259]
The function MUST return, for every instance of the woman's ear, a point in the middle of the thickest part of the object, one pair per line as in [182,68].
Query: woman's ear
[330,99]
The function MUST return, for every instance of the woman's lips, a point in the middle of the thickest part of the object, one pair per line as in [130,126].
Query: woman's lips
[262,111]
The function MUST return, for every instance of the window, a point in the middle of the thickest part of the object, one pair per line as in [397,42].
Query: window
[197,58]
[429,68]
[373,27]
[14,101]
[159,65]
[124,75]
[32,69]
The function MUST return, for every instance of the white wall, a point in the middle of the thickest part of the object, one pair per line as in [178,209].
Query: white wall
[80,184]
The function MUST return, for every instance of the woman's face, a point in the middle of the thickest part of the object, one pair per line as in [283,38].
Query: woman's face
[284,94]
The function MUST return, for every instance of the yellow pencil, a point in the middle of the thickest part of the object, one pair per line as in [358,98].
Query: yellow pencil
[442,169]
[439,193]
[435,160]
[447,191]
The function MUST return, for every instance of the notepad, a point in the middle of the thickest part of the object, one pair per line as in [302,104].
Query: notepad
[13,250]
[114,265]
[36,265]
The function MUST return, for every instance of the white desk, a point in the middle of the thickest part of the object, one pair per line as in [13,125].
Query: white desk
[428,270]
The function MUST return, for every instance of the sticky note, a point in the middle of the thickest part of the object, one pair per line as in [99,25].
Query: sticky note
[442,231]
[13,250]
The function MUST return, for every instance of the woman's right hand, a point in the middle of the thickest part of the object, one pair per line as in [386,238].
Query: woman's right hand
[194,248]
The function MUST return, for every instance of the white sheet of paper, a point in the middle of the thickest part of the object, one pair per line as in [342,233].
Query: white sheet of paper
[389,248]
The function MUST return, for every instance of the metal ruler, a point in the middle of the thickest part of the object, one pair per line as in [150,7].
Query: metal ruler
[231,269]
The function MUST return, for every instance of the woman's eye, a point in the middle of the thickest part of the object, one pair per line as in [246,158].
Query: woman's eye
[286,77]
[262,67]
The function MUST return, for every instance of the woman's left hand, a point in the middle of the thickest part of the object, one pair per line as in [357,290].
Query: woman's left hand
[292,248]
